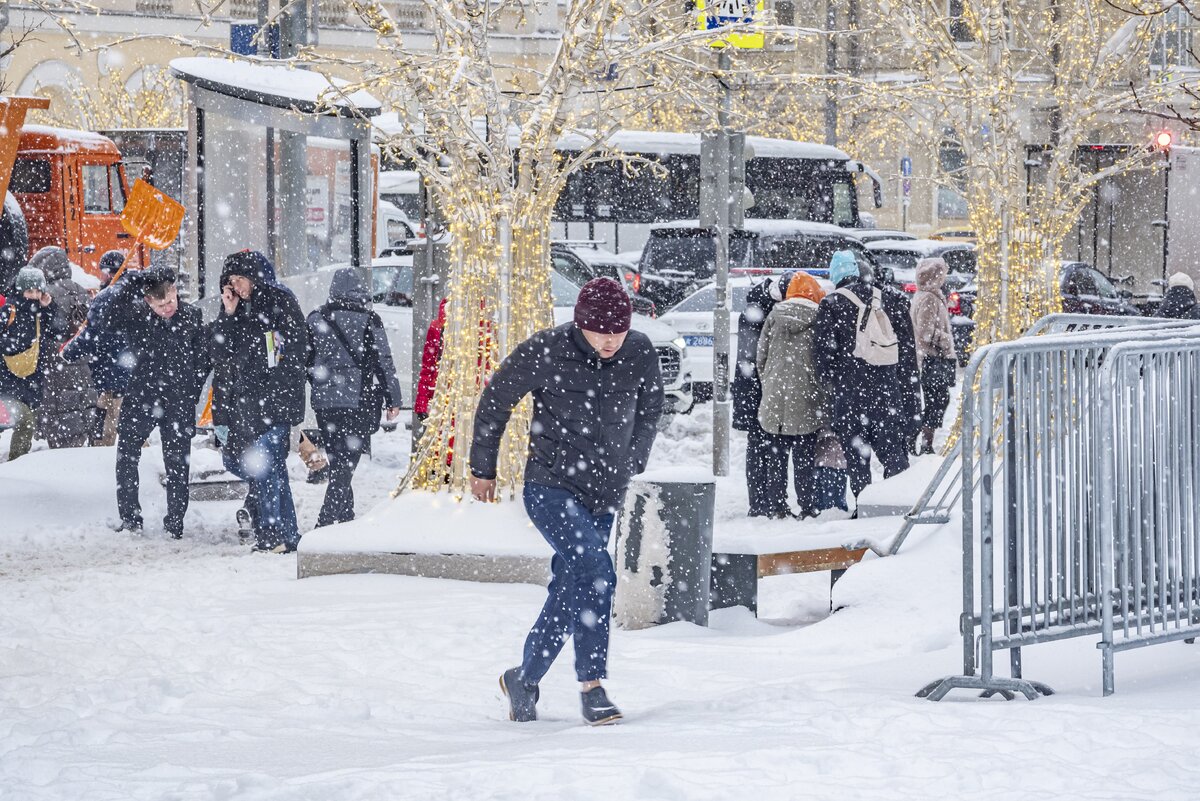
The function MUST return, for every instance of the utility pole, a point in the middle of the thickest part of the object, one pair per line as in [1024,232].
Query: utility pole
[722,171]
[293,158]
[831,60]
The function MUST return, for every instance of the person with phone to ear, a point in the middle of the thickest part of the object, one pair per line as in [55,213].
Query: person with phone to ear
[259,350]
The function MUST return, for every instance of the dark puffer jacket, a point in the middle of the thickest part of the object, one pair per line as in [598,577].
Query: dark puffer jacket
[860,389]
[337,380]
[169,358]
[594,419]
[19,326]
[1179,303]
[105,349]
[746,386]
[249,395]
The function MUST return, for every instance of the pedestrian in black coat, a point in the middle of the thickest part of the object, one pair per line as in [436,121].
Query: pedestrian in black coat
[168,343]
[875,408]
[106,353]
[259,351]
[353,378]
[762,448]
[597,397]
[1179,302]
[30,322]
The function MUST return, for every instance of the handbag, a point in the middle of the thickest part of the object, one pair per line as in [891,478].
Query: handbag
[372,393]
[24,364]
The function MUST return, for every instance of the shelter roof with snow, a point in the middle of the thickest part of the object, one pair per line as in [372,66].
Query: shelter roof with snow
[260,81]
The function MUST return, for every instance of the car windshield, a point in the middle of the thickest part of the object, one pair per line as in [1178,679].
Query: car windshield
[961,261]
[1104,287]
[896,259]
[562,290]
[692,251]
[389,282]
[704,299]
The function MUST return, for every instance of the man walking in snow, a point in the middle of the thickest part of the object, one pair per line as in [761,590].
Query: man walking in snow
[169,345]
[597,395]
[259,346]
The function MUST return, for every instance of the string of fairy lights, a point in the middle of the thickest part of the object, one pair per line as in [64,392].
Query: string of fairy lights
[496,188]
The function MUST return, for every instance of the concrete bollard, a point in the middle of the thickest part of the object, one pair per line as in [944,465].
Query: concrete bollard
[664,549]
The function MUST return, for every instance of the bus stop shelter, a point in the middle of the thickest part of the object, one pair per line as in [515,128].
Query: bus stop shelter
[278,160]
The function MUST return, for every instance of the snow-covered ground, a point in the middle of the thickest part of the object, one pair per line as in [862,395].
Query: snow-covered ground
[144,668]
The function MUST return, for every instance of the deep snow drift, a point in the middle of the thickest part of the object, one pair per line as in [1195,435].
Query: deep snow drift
[153,669]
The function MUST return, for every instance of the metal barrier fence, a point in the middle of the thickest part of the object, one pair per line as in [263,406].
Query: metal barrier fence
[941,497]
[1039,418]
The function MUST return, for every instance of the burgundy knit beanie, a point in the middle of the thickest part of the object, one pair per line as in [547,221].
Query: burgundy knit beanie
[603,307]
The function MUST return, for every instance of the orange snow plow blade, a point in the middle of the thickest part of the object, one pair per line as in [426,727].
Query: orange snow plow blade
[151,217]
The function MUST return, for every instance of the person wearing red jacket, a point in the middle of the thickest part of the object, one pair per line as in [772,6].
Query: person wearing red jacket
[430,358]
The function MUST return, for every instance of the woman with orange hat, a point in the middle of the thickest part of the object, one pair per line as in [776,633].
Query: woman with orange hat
[794,402]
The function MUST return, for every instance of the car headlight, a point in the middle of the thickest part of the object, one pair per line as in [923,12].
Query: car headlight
[679,343]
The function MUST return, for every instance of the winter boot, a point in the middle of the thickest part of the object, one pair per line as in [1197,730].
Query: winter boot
[134,526]
[522,699]
[245,522]
[926,440]
[597,709]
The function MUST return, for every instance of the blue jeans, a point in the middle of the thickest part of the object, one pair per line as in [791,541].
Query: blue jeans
[264,466]
[580,593]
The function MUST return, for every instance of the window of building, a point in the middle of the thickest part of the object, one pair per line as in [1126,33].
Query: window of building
[960,31]
[952,164]
[1173,41]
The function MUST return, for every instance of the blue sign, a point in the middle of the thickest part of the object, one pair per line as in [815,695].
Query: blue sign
[905,166]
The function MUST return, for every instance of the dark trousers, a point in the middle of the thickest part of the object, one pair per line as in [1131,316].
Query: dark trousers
[579,598]
[878,430]
[937,376]
[344,447]
[175,425]
[770,476]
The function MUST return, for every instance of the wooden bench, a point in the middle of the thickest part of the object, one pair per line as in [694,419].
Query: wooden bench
[735,576]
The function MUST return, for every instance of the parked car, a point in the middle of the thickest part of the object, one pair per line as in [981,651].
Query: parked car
[392,296]
[954,234]
[693,319]
[1084,290]
[581,262]
[866,235]
[683,254]
[898,259]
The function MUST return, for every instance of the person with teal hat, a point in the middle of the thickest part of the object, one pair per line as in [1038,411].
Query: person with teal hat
[866,354]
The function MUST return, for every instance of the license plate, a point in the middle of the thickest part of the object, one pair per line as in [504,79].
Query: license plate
[699,341]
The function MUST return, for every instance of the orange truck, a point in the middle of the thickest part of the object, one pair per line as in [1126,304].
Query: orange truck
[70,186]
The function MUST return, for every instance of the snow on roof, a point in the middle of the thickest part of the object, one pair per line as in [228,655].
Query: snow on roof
[45,137]
[923,247]
[663,142]
[270,84]
[764,227]
[399,182]
[596,255]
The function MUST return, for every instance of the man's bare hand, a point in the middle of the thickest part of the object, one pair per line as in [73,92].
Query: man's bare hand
[229,300]
[484,489]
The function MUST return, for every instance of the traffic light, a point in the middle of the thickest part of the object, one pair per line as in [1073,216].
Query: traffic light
[1162,141]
